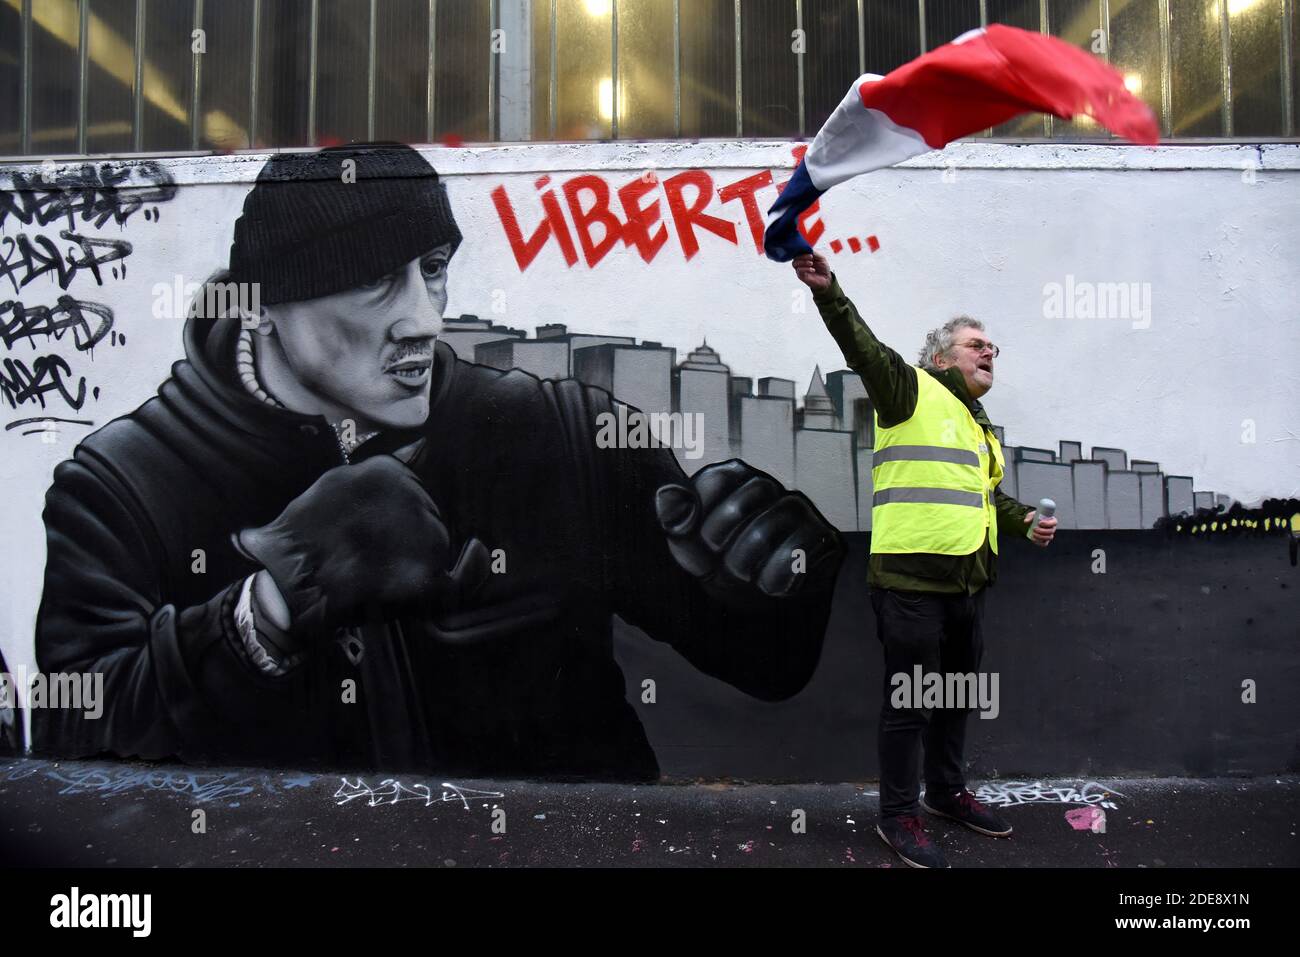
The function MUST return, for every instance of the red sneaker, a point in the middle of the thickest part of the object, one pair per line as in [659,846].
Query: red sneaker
[906,836]
[965,809]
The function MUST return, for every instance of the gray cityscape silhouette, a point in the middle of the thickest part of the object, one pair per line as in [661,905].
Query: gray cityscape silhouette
[823,448]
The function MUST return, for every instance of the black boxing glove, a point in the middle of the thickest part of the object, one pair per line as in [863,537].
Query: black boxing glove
[365,542]
[736,530]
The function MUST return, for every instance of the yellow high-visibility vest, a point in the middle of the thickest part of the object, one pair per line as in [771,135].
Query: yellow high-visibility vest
[933,488]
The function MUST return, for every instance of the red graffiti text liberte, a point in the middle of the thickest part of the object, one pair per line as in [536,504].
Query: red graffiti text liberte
[637,220]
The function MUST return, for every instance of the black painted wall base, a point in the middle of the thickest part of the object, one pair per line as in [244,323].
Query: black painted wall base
[1138,670]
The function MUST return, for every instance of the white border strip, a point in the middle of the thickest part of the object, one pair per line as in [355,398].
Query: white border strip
[525,158]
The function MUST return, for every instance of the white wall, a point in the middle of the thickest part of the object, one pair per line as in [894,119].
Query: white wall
[979,228]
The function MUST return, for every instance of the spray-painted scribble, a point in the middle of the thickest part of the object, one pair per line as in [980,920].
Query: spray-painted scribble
[47,374]
[1014,793]
[393,791]
[25,259]
[94,194]
[89,322]
[110,780]
[84,197]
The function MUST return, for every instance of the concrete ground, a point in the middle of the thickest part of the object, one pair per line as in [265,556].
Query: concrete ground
[86,813]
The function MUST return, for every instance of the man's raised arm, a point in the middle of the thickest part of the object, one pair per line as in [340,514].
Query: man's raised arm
[890,380]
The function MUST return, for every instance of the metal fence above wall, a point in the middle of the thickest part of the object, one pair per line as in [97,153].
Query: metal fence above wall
[121,76]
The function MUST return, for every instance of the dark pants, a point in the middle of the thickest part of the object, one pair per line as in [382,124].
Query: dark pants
[941,633]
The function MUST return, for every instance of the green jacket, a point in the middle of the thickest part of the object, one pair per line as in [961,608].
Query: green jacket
[891,385]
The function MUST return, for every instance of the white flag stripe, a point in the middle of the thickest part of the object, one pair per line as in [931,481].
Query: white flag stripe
[856,140]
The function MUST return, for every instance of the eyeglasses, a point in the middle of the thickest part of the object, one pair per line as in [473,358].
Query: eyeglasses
[979,345]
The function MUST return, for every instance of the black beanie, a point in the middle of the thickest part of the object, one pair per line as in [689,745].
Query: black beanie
[307,232]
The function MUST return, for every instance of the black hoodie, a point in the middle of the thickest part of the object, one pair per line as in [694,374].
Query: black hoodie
[522,682]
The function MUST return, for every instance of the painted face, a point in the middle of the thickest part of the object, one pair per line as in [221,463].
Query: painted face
[366,354]
[972,353]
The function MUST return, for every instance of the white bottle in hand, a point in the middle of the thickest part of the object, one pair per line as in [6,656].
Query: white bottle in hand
[1046,509]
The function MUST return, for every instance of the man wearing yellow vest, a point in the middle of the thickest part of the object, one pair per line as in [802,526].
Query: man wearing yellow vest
[937,512]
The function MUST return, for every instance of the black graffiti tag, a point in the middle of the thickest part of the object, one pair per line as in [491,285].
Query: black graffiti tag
[19,384]
[89,322]
[111,191]
[26,259]
[18,321]
[83,198]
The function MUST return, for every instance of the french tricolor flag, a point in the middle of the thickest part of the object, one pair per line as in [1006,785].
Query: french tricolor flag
[983,78]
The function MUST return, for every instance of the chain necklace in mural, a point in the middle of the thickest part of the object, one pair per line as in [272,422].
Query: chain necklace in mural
[247,368]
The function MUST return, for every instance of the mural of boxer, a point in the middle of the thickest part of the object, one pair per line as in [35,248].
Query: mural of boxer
[328,540]
[11,715]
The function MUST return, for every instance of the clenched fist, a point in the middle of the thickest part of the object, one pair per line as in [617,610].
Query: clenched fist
[364,542]
[735,527]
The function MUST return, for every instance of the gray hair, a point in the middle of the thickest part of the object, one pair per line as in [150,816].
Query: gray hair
[939,342]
